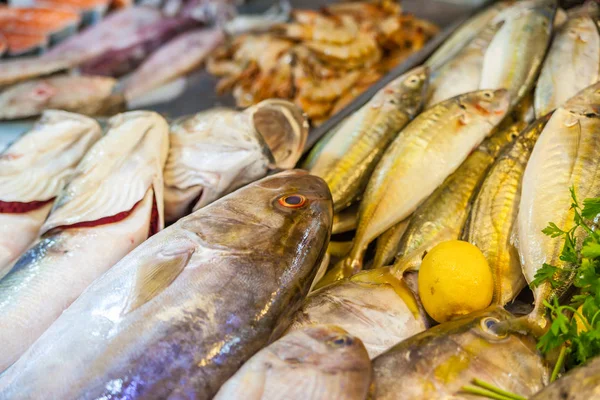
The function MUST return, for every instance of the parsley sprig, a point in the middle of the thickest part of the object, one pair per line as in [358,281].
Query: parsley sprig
[575,330]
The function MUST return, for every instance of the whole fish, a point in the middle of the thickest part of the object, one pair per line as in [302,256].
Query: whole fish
[565,156]
[437,363]
[514,57]
[174,59]
[320,362]
[371,305]
[462,73]
[580,383]
[464,34]
[418,161]
[90,95]
[217,151]
[572,64]
[111,205]
[33,170]
[180,314]
[348,158]
[494,213]
[443,215]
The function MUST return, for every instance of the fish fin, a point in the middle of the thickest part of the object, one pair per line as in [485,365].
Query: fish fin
[155,275]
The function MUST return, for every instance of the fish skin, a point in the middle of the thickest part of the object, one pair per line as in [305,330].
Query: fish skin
[581,383]
[572,64]
[494,212]
[463,35]
[88,95]
[372,305]
[35,168]
[182,312]
[348,158]
[317,363]
[462,73]
[443,215]
[437,363]
[433,145]
[387,244]
[345,221]
[68,256]
[564,156]
[216,151]
[174,59]
[514,57]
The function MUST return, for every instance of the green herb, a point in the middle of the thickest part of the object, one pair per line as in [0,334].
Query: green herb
[483,389]
[582,265]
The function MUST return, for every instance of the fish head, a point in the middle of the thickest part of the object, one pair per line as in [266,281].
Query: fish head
[586,102]
[493,104]
[409,90]
[327,346]
[284,128]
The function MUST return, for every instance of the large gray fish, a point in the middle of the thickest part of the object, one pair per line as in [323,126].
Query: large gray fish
[317,363]
[217,151]
[372,305]
[437,363]
[33,170]
[572,64]
[514,57]
[181,313]
[111,205]
[580,383]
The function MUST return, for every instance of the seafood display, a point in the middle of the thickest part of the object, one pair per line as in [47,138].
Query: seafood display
[320,60]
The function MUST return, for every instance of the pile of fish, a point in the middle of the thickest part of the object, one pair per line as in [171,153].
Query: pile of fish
[245,295]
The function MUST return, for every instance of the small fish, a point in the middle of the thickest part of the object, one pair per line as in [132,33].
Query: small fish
[564,156]
[494,213]
[418,161]
[437,363]
[33,170]
[89,95]
[372,305]
[581,383]
[180,314]
[348,158]
[111,205]
[572,64]
[317,363]
[217,151]
[443,215]
[174,59]
[514,57]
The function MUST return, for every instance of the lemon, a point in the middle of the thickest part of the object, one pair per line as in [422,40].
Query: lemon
[455,279]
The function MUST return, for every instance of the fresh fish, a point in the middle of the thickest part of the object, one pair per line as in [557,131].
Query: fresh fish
[321,362]
[443,215]
[110,206]
[514,57]
[217,151]
[118,29]
[494,214]
[437,363]
[345,221]
[580,383]
[180,314]
[33,170]
[425,153]
[564,156]
[462,73]
[371,305]
[572,64]
[24,44]
[387,244]
[90,95]
[174,59]
[40,21]
[464,34]
[348,158]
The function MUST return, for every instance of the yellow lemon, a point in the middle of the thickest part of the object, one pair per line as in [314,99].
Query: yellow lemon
[455,279]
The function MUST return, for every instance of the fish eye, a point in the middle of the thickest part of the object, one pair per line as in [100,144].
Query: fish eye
[292,200]
[413,80]
[488,95]
[341,341]
[488,324]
